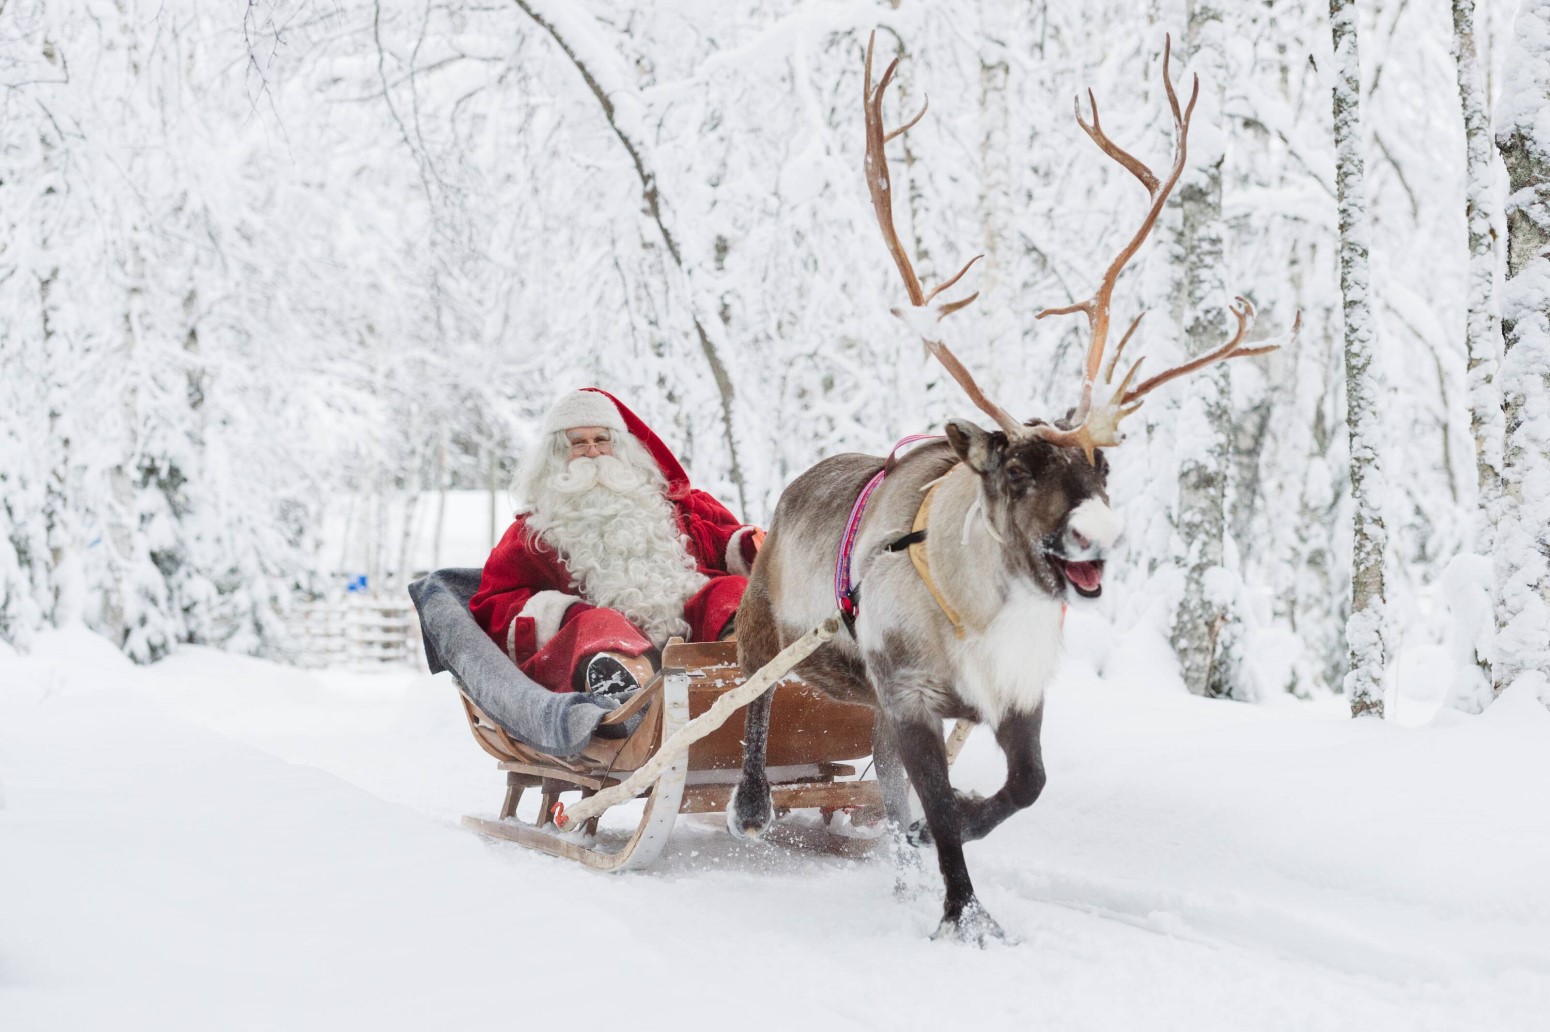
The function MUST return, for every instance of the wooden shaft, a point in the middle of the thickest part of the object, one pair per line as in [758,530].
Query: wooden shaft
[719,713]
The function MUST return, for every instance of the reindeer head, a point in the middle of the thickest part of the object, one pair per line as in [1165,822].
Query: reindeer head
[1047,504]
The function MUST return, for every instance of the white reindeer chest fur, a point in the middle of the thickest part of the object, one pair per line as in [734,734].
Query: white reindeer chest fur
[1006,667]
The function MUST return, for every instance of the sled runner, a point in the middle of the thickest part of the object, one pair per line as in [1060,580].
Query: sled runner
[811,738]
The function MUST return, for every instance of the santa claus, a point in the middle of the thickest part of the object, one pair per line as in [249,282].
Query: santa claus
[615,554]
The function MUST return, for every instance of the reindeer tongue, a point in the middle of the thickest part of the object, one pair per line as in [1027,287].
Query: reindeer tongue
[1086,576]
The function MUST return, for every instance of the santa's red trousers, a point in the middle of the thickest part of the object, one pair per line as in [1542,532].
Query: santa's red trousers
[559,664]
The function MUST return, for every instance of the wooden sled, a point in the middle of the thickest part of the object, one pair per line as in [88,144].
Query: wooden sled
[811,738]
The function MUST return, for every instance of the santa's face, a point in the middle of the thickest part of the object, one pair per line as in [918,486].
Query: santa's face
[588,442]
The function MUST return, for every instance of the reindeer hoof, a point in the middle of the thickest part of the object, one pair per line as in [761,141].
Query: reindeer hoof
[750,814]
[973,926]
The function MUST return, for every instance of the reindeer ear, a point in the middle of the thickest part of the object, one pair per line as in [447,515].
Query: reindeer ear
[973,445]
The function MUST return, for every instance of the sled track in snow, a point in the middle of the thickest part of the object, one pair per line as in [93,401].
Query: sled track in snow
[1238,921]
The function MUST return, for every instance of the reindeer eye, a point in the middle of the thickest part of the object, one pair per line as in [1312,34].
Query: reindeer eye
[1018,475]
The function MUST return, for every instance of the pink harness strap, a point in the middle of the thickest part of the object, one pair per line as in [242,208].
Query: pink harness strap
[844,587]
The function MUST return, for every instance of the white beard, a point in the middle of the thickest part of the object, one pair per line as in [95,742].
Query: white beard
[618,537]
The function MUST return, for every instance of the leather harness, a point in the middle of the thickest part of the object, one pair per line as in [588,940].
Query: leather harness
[847,594]
[917,549]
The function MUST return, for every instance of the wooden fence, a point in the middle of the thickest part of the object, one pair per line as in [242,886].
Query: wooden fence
[359,630]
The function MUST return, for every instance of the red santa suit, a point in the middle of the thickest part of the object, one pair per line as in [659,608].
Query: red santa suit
[527,599]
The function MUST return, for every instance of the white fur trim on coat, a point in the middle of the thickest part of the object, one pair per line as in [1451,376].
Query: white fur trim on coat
[546,609]
[583,408]
[735,562]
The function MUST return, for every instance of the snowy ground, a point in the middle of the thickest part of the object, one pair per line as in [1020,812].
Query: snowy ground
[219,843]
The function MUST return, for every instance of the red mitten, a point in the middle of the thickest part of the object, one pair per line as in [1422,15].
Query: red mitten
[750,544]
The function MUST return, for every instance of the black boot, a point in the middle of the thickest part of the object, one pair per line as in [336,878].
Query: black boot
[607,676]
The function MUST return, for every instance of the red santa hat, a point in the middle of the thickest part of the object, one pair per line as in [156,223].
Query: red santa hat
[593,400]
[583,408]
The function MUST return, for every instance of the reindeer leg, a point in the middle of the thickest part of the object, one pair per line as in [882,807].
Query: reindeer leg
[890,776]
[1018,735]
[752,809]
[896,804]
[920,746]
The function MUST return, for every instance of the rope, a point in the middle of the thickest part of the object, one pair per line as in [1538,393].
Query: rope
[719,713]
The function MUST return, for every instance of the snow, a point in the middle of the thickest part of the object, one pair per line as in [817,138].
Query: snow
[1467,589]
[216,841]
[1522,106]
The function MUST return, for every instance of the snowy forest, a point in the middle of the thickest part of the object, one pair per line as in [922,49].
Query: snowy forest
[289,287]
[261,257]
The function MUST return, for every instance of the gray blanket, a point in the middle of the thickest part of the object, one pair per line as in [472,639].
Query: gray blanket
[556,723]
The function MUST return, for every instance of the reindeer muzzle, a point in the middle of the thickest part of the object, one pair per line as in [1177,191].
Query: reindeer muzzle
[1079,549]
[1085,578]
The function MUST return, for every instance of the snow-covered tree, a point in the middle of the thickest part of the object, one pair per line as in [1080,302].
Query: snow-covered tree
[1522,545]
[131,290]
[1364,629]
[1482,338]
[1206,632]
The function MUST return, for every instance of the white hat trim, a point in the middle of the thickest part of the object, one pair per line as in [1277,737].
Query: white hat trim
[583,408]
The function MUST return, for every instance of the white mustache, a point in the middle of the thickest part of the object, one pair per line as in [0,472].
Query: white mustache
[606,471]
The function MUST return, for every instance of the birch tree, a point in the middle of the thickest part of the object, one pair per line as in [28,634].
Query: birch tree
[1482,337]
[1201,634]
[1364,628]
[1522,546]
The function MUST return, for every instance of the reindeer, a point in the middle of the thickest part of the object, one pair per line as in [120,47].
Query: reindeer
[966,554]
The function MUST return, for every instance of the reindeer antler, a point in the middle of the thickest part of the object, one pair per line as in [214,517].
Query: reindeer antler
[880,187]
[1099,427]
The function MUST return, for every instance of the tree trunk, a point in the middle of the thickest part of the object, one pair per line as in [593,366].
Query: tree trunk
[1200,631]
[490,485]
[1481,333]
[1522,546]
[1364,628]
[441,498]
